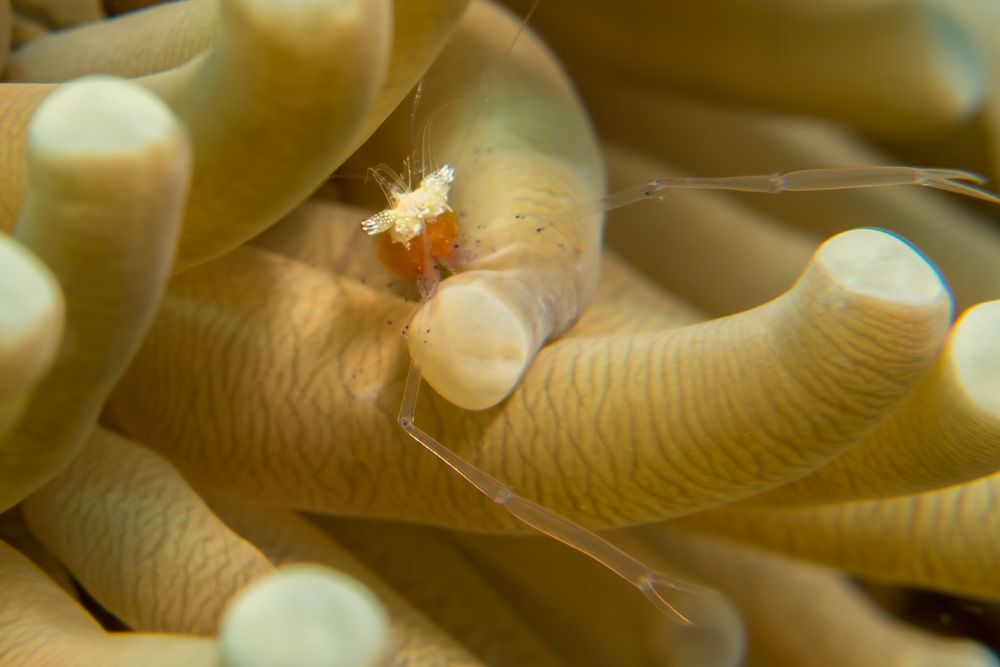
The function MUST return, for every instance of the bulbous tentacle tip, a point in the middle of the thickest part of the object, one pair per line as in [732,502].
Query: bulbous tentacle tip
[474,339]
[305,615]
[883,265]
[32,311]
[120,117]
[108,166]
[975,350]
[31,317]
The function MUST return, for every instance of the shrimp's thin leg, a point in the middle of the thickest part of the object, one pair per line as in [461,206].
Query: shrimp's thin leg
[654,585]
[846,178]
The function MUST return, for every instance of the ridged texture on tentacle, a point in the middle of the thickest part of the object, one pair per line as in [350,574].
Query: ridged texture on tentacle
[198,565]
[945,540]
[41,625]
[109,168]
[945,433]
[781,390]
[835,624]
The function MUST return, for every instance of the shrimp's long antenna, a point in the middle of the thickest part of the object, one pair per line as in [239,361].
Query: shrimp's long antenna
[843,178]
[415,156]
[427,153]
[655,585]
[391,183]
[427,161]
[487,80]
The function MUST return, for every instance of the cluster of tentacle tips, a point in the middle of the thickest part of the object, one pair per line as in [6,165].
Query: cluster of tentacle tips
[783,398]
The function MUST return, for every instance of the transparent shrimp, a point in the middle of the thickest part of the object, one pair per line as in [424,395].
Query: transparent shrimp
[657,587]
[417,241]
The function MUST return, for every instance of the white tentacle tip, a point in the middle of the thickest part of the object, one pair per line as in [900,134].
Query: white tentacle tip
[472,341]
[975,355]
[102,116]
[307,616]
[884,265]
[32,310]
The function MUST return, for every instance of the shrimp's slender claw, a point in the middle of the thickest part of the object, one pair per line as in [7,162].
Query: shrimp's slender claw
[654,590]
[959,186]
[656,586]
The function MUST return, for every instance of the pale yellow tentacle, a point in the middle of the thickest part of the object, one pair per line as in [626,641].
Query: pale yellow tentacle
[132,45]
[60,13]
[901,70]
[156,557]
[31,326]
[15,532]
[271,110]
[304,615]
[41,625]
[946,433]
[295,616]
[944,540]
[287,538]
[764,396]
[109,167]
[169,35]
[798,614]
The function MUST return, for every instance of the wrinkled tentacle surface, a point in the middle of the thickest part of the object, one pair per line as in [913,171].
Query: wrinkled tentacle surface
[836,310]
[109,167]
[752,370]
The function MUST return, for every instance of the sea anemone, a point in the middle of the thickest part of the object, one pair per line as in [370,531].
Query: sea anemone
[202,357]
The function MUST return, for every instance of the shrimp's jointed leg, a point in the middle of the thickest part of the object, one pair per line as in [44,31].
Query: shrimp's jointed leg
[805,180]
[655,585]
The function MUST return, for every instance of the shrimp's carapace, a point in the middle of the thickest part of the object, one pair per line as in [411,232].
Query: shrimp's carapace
[435,246]
[418,230]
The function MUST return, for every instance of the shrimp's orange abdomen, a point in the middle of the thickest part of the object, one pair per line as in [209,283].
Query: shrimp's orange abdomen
[440,235]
